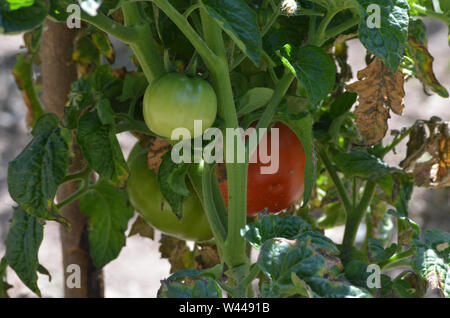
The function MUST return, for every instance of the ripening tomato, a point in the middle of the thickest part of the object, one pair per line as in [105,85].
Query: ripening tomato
[280,190]
[176,101]
[145,196]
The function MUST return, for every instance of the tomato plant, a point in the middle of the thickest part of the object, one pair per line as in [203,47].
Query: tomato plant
[230,64]
[277,191]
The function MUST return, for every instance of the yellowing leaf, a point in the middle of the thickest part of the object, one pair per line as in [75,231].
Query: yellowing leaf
[379,91]
[423,61]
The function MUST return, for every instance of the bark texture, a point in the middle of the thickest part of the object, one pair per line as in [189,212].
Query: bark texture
[58,73]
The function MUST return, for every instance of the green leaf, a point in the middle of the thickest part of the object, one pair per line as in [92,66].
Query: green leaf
[254,99]
[279,258]
[101,149]
[377,252]
[192,284]
[133,86]
[105,112]
[80,98]
[319,241]
[239,21]
[324,288]
[342,105]
[22,245]
[313,67]
[34,176]
[303,129]
[334,215]
[389,40]
[273,226]
[362,164]
[356,273]
[432,260]
[171,178]
[108,210]
[22,19]
[4,286]
[17,4]
[336,4]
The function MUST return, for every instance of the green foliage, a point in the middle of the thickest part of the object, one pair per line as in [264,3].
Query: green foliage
[313,67]
[171,178]
[19,16]
[432,258]
[388,41]
[239,22]
[22,245]
[34,176]
[101,148]
[277,63]
[109,211]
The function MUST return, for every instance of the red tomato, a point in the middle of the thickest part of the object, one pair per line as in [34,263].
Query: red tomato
[280,190]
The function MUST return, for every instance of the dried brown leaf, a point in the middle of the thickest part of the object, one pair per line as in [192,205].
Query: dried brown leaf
[379,91]
[434,172]
[157,149]
[206,257]
[141,227]
[176,251]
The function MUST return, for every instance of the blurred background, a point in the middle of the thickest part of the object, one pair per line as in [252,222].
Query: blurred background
[138,269]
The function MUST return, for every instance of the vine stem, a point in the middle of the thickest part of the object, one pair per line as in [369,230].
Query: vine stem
[143,46]
[425,11]
[342,192]
[126,34]
[84,177]
[356,214]
[396,260]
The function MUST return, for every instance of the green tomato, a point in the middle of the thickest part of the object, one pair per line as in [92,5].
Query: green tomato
[145,196]
[175,101]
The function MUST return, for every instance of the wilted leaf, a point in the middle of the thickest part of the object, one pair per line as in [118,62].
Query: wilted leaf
[423,61]
[434,172]
[141,227]
[103,44]
[206,257]
[157,149]
[23,74]
[176,252]
[379,91]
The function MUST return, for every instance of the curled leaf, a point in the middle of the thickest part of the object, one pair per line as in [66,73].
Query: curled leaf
[423,61]
[379,90]
[434,170]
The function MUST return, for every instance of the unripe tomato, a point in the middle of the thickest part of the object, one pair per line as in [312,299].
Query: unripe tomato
[145,196]
[280,190]
[175,101]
